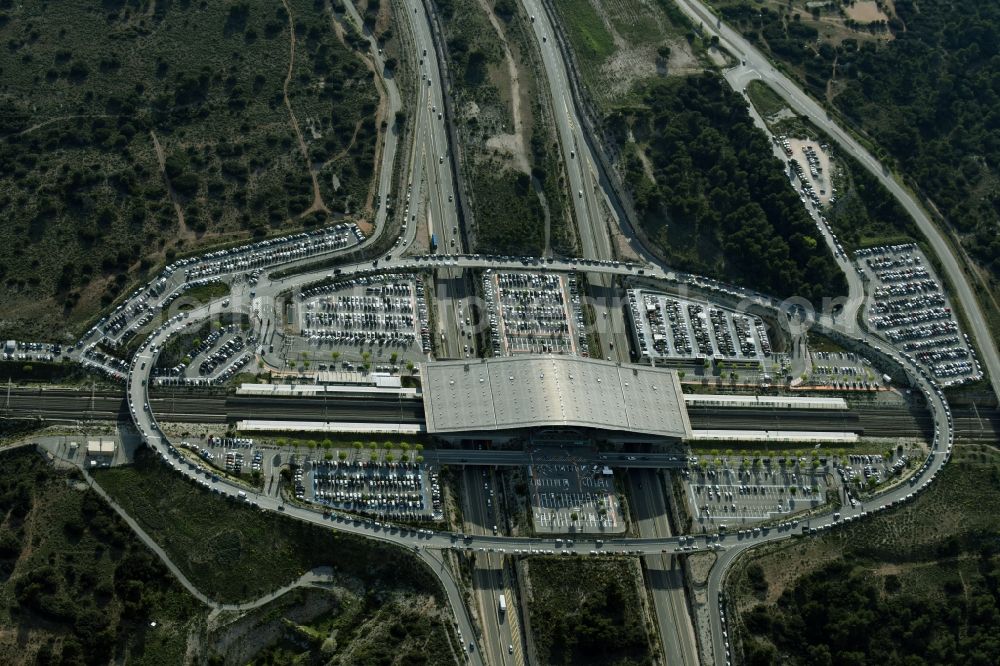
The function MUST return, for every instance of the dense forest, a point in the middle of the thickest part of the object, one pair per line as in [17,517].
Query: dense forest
[714,198]
[841,614]
[76,586]
[927,92]
[597,623]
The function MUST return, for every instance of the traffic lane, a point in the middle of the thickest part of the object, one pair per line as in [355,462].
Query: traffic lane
[665,579]
[806,105]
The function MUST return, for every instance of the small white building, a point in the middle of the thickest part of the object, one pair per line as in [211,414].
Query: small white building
[100,452]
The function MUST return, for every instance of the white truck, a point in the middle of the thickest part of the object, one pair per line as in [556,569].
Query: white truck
[503,604]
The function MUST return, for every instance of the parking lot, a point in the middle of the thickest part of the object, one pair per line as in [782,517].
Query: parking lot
[265,253]
[378,488]
[214,360]
[388,311]
[534,313]
[866,471]
[845,371]
[141,306]
[809,161]
[667,327]
[907,307]
[574,499]
[109,366]
[732,496]
[30,351]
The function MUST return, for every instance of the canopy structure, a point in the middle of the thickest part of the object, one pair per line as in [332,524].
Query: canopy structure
[552,391]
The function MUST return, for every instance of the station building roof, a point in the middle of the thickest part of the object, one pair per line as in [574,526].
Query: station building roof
[552,391]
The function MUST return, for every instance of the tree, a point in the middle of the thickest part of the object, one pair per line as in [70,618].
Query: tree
[342,455]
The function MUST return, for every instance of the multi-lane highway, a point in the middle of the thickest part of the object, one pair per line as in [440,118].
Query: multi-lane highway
[491,577]
[666,578]
[432,191]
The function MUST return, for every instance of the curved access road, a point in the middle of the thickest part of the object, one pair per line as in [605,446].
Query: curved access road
[756,64]
[423,542]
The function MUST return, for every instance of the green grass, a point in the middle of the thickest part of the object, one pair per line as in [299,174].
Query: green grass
[234,553]
[87,87]
[596,622]
[76,581]
[591,39]
[624,44]
[206,292]
[764,99]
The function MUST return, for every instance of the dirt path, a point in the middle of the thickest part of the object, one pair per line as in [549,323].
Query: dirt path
[513,142]
[318,204]
[381,113]
[537,186]
[183,232]
[57,119]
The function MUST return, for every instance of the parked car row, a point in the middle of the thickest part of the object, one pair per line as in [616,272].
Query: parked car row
[909,309]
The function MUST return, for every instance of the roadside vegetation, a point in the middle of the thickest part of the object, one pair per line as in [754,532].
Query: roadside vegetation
[135,132]
[864,214]
[509,150]
[205,294]
[711,196]
[619,45]
[77,586]
[339,627]
[918,78]
[63,373]
[596,620]
[235,553]
[914,585]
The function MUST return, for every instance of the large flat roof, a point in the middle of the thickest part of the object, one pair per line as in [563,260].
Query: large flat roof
[546,390]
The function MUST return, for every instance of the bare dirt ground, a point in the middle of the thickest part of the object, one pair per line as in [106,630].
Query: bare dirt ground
[699,564]
[865,11]
[318,204]
[627,66]
[513,143]
[635,62]
[183,231]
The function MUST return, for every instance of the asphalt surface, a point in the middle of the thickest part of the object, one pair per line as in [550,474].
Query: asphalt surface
[666,578]
[490,577]
[582,171]
[582,177]
[758,66]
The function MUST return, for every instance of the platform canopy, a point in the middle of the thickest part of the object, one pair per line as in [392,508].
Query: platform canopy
[552,391]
